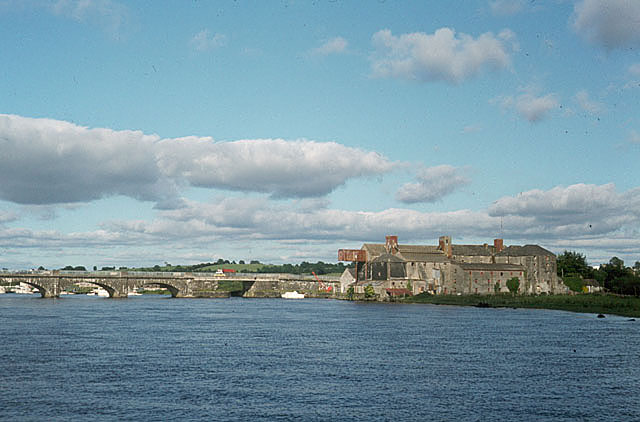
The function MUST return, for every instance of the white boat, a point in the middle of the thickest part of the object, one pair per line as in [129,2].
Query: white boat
[134,293]
[98,292]
[292,295]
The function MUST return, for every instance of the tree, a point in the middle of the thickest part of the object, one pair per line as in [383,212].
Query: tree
[369,292]
[513,284]
[616,262]
[410,286]
[573,263]
[496,287]
[350,293]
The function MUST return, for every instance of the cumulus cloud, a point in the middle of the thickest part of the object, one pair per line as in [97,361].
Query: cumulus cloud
[432,184]
[575,211]
[587,104]
[333,46]
[442,56]
[282,168]
[260,219]
[530,106]
[596,218]
[47,161]
[204,40]
[608,23]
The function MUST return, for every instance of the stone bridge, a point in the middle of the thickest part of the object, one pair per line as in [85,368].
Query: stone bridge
[120,283]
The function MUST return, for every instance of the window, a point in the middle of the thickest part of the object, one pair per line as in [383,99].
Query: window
[501,274]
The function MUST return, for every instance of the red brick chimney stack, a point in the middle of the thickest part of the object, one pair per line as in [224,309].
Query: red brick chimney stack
[498,244]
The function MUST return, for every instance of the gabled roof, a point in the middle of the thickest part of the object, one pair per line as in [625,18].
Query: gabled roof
[472,250]
[526,250]
[411,253]
[387,257]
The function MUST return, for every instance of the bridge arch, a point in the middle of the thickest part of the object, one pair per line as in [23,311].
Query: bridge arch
[67,282]
[175,291]
[41,289]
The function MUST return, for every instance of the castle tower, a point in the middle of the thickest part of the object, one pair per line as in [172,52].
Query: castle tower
[444,244]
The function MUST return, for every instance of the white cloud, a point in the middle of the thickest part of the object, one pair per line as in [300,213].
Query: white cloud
[48,161]
[432,184]
[575,211]
[530,106]
[204,40]
[634,137]
[634,69]
[7,216]
[333,46]
[282,168]
[587,104]
[442,56]
[591,218]
[608,23]
[507,7]
[109,14]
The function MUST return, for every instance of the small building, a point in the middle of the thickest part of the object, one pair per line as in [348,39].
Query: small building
[592,286]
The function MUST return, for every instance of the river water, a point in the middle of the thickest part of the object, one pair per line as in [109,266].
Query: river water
[146,358]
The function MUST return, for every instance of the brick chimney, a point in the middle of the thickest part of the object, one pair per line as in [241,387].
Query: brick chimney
[391,244]
[444,244]
[498,244]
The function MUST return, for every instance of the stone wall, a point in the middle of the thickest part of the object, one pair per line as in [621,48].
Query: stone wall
[276,288]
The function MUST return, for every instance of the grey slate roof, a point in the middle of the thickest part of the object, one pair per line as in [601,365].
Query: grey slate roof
[489,267]
[424,257]
[387,257]
[410,253]
[526,250]
[472,250]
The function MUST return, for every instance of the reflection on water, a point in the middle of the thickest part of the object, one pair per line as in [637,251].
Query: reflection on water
[156,358]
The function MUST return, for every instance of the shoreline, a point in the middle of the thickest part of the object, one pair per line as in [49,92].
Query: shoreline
[626,306]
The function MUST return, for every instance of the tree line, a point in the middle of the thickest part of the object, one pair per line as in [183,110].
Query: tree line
[254,266]
[613,277]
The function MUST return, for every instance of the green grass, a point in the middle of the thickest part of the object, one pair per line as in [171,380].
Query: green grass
[586,303]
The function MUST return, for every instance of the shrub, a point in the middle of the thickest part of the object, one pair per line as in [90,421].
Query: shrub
[513,284]
[369,292]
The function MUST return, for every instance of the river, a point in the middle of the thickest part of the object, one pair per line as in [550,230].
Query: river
[145,358]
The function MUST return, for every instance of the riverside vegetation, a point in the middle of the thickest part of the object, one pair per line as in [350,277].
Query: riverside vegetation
[628,306]
[619,295]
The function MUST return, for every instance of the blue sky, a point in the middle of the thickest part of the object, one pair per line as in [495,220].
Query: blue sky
[138,133]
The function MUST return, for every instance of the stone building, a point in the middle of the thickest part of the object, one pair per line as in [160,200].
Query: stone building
[452,269]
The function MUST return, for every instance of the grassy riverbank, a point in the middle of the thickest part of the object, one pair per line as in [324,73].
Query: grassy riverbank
[587,303]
